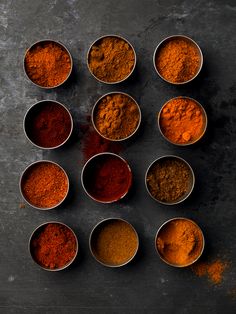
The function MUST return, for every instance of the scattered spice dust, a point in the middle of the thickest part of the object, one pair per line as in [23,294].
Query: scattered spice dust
[93,143]
[214,270]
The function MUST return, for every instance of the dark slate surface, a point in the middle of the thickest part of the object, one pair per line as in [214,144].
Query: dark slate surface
[147,285]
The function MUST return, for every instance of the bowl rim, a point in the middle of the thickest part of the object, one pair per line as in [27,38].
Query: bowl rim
[91,159]
[95,107]
[44,224]
[38,103]
[192,179]
[99,224]
[53,41]
[25,171]
[168,38]
[173,219]
[119,37]
[204,115]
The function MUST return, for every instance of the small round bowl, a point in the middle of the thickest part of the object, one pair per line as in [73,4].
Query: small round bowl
[174,37]
[94,113]
[27,170]
[37,231]
[191,184]
[32,113]
[88,174]
[162,257]
[118,37]
[42,42]
[92,242]
[204,118]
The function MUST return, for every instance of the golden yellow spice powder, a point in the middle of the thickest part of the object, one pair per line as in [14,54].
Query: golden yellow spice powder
[116,116]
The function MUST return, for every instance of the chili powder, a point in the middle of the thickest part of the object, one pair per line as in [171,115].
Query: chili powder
[44,184]
[48,124]
[53,246]
[107,178]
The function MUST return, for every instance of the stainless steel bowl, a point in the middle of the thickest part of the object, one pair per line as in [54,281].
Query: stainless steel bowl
[191,185]
[94,110]
[57,43]
[37,229]
[30,112]
[169,38]
[93,234]
[25,172]
[119,37]
[204,117]
[160,255]
[93,160]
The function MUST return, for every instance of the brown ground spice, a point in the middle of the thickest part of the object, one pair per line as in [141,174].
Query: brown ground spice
[180,242]
[111,59]
[178,60]
[44,185]
[115,243]
[117,116]
[168,180]
[214,270]
[47,64]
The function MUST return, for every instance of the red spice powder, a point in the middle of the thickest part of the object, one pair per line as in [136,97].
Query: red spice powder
[94,144]
[107,178]
[49,125]
[54,246]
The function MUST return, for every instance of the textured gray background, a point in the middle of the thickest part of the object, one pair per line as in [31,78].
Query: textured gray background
[147,285]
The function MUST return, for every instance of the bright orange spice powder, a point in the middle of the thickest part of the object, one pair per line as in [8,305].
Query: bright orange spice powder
[178,60]
[213,270]
[182,120]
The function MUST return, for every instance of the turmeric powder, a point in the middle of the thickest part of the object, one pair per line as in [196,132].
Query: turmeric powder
[182,120]
[116,116]
[111,59]
[213,270]
[180,242]
[178,60]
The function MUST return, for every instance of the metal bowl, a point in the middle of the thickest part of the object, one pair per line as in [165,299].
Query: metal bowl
[37,229]
[94,110]
[90,162]
[204,118]
[160,255]
[191,183]
[48,41]
[93,234]
[187,39]
[25,172]
[119,37]
[32,110]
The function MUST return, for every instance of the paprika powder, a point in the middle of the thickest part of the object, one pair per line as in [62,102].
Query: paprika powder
[106,177]
[48,63]
[44,184]
[48,124]
[53,246]
[116,116]
[111,59]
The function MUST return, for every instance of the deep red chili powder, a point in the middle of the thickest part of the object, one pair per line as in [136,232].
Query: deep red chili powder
[54,246]
[108,178]
[48,125]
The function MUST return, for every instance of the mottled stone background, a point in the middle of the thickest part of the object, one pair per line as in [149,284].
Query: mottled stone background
[147,285]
